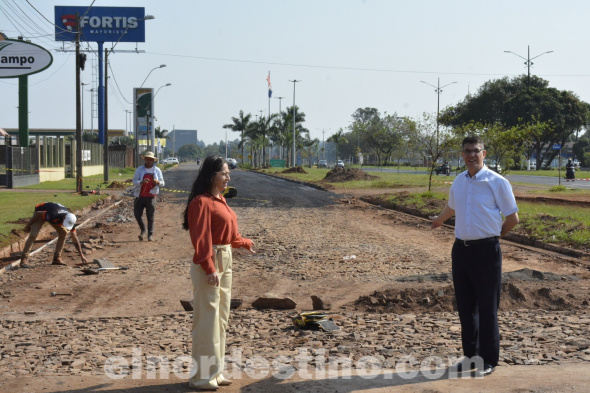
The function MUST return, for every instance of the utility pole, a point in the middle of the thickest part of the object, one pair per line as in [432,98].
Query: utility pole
[281,147]
[78,117]
[438,90]
[528,61]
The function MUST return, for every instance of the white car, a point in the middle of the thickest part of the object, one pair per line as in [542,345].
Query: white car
[232,163]
[340,164]
[171,160]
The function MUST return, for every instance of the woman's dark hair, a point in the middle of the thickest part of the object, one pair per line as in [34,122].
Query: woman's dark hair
[203,182]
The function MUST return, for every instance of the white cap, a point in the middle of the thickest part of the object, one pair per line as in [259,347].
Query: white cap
[69,221]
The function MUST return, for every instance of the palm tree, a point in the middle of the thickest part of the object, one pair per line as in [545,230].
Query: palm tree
[161,134]
[265,127]
[240,124]
[311,146]
[299,129]
[337,138]
[279,134]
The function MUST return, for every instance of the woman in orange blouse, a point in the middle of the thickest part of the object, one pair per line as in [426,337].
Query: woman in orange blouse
[213,228]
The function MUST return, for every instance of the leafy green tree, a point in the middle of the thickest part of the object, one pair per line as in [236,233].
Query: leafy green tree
[405,146]
[190,151]
[122,141]
[424,135]
[90,137]
[381,134]
[581,147]
[299,129]
[512,103]
[502,145]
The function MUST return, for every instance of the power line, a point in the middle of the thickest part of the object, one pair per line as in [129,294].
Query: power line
[50,22]
[117,84]
[40,29]
[347,68]
[12,22]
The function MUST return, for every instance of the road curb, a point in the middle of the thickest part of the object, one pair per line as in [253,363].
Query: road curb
[512,237]
[312,185]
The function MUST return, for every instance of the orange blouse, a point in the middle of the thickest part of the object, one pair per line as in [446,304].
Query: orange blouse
[212,222]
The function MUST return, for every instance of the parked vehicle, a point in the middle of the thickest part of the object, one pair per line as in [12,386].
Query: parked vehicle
[496,168]
[322,164]
[340,164]
[172,160]
[232,163]
[444,169]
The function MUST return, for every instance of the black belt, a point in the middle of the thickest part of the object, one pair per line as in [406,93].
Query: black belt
[467,243]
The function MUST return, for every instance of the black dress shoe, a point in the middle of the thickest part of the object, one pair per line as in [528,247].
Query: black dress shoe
[486,370]
[464,365]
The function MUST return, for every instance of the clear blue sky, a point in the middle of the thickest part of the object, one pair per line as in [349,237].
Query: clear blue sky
[348,54]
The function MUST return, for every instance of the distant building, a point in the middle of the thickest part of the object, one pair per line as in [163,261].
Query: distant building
[180,138]
[61,132]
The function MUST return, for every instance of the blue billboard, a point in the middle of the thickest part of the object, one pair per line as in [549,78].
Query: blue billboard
[100,24]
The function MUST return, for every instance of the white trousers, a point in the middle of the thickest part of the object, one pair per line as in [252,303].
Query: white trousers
[210,316]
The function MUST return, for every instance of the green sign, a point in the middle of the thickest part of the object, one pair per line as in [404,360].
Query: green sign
[277,163]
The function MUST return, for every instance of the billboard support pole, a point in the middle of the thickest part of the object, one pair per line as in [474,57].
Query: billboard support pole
[78,117]
[100,94]
[23,110]
[105,146]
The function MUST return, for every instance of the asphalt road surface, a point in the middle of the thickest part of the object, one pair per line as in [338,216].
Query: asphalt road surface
[254,189]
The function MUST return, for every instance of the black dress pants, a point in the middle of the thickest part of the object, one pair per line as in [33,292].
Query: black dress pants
[477,278]
[149,204]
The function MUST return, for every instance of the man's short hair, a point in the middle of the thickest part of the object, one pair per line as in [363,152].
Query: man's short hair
[472,139]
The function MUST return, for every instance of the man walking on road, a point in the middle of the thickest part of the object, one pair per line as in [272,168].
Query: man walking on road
[478,198]
[62,220]
[146,181]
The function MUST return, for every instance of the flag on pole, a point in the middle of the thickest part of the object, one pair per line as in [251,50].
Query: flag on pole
[269,85]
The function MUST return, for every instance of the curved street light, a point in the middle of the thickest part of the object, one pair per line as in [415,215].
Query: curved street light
[153,133]
[137,120]
[528,61]
[148,75]
[437,90]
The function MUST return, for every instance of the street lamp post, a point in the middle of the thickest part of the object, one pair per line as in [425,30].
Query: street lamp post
[137,117]
[324,140]
[438,90]
[82,84]
[153,132]
[294,83]
[528,61]
[127,112]
[281,146]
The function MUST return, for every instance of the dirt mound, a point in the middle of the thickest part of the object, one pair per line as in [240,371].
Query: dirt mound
[348,174]
[116,185]
[404,300]
[296,169]
[523,289]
